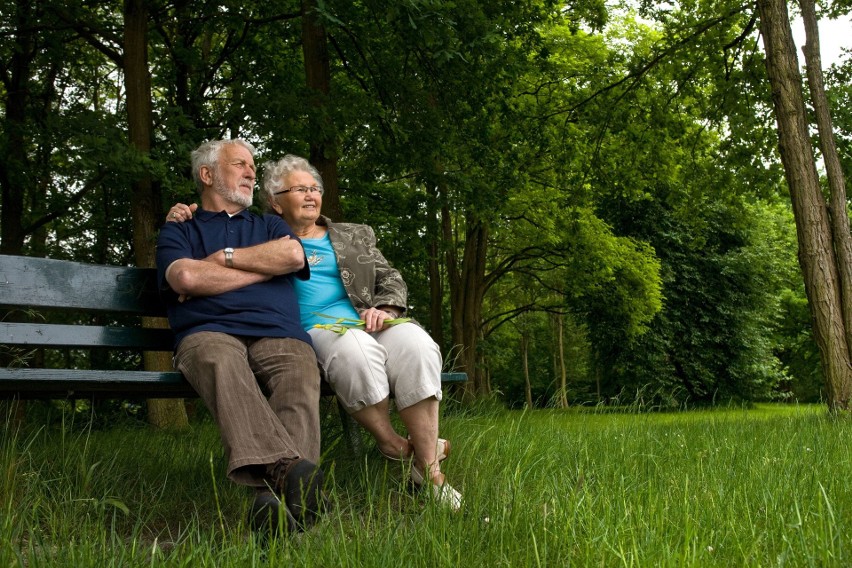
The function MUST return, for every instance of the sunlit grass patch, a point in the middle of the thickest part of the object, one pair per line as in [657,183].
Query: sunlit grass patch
[760,486]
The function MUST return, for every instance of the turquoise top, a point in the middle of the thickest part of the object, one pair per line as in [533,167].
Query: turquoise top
[324,292]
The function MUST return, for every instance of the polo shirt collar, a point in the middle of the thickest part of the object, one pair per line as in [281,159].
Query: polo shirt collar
[204,215]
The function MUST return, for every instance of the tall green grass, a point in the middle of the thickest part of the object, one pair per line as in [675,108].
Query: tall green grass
[761,487]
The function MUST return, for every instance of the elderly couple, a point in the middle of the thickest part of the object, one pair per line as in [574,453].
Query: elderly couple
[244,292]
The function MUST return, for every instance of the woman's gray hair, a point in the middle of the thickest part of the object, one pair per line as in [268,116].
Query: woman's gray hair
[274,173]
[208,155]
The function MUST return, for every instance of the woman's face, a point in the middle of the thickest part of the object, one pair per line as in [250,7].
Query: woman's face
[298,209]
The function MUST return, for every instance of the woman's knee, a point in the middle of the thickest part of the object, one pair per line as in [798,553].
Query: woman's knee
[410,341]
[353,351]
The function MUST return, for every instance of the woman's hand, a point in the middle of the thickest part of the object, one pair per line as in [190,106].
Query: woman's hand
[180,212]
[374,319]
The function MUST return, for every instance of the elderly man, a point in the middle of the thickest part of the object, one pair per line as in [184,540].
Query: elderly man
[226,276]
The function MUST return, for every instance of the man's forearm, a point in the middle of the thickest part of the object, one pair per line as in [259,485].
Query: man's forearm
[273,258]
[194,278]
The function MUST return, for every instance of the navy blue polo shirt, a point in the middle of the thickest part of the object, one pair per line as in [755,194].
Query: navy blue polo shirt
[266,309]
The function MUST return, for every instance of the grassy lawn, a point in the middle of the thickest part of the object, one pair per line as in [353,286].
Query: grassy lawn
[767,486]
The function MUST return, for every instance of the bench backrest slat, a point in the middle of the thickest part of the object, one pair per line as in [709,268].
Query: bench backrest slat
[62,383]
[58,336]
[49,283]
[64,292]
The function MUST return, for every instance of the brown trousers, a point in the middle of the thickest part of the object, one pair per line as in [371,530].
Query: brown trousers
[263,393]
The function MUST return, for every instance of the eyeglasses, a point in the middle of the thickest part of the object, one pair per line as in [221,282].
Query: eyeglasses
[301,189]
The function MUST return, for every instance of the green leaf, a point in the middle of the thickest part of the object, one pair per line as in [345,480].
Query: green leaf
[341,325]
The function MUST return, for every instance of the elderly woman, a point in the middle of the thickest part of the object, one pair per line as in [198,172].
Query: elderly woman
[351,279]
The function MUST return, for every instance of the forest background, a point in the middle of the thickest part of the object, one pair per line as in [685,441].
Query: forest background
[586,198]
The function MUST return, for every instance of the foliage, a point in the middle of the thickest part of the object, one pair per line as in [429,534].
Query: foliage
[797,350]
[722,284]
[620,171]
[505,366]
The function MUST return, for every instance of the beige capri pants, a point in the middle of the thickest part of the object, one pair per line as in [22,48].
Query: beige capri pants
[364,368]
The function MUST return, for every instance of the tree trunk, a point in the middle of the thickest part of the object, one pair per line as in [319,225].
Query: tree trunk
[816,253]
[473,287]
[163,413]
[525,349]
[14,167]
[836,180]
[188,97]
[563,376]
[452,280]
[598,383]
[436,288]
[318,78]
[467,288]
[467,308]
[145,202]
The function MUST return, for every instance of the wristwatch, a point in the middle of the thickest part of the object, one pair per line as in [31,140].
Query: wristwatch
[229,257]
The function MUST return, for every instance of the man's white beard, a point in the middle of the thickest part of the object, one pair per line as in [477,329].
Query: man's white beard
[232,195]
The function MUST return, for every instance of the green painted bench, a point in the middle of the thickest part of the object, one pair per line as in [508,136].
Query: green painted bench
[67,308]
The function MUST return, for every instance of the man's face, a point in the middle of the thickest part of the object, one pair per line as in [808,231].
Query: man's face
[234,177]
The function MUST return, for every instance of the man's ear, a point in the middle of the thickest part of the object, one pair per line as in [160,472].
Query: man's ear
[205,174]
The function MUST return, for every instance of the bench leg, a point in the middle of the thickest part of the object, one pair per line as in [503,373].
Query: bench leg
[351,431]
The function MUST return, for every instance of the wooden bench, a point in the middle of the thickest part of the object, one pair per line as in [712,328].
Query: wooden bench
[72,308]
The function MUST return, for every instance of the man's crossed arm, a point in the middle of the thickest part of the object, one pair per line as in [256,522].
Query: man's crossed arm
[251,265]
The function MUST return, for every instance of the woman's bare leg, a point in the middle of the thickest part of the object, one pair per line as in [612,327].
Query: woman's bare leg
[421,420]
[376,420]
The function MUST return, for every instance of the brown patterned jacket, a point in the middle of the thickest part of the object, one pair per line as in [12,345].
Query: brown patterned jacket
[369,280]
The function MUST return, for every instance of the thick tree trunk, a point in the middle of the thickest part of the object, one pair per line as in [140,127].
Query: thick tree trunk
[836,180]
[145,203]
[816,253]
[318,78]
[469,296]
[14,167]
[467,288]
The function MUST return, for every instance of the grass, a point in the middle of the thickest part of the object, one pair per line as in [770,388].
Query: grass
[767,486]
